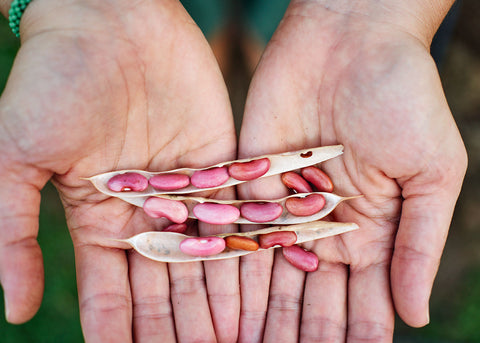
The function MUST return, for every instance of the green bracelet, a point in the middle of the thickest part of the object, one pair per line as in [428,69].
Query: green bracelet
[15,14]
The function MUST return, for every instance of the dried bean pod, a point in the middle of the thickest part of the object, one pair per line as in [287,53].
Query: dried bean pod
[246,171]
[318,178]
[213,177]
[306,206]
[259,212]
[202,246]
[300,258]
[169,182]
[173,210]
[294,181]
[216,213]
[282,238]
[128,182]
[241,243]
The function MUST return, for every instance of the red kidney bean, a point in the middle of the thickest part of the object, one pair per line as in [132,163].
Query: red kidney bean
[173,210]
[300,258]
[241,243]
[261,212]
[128,182]
[307,206]
[210,177]
[296,182]
[216,213]
[282,238]
[318,178]
[246,171]
[178,228]
[202,246]
[169,182]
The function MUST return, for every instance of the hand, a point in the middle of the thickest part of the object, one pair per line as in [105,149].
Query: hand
[100,86]
[365,82]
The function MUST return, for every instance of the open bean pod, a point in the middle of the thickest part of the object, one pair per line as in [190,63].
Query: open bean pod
[164,246]
[138,183]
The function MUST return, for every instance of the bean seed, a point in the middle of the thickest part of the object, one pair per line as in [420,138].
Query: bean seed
[246,171]
[173,210]
[307,206]
[300,258]
[318,178]
[202,246]
[282,238]
[128,182]
[294,181]
[178,228]
[261,212]
[169,182]
[241,243]
[210,177]
[216,213]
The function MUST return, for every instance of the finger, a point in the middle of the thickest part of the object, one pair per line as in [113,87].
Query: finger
[152,310]
[324,314]
[104,294]
[370,307]
[190,305]
[285,302]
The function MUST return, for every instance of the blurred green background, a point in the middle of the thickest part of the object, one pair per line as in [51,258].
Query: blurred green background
[455,302]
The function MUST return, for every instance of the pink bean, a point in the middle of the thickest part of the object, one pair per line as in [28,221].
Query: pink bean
[173,210]
[261,212]
[216,213]
[128,182]
[210,178]
[318,178]
[282,238]
[296,182]
[202,246]
[178,228]
[169,182]
[246,171]
[307,206]
[300,258]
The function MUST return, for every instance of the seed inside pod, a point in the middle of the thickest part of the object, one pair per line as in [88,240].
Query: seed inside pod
[241,243]
[210,177]
[128,182]
[307,206]
[246,171]
[282,238]
[294,181]
[202,246]
[169,182]
[258,212]
[173,210]
[216,213]
[300,258]
[318,178]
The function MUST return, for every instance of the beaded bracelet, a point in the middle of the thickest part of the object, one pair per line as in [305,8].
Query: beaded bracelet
[15,14]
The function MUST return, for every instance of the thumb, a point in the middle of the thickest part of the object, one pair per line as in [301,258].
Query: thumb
[21,262]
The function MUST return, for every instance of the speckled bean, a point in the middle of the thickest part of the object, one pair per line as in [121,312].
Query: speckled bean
[216,213]
[306,206]
[210,177]
[202,246]
[241,243]
[258,212]
[300,258]
[169,182]
[318,178]
[296,182]
[173,210]
[246,171]
[282,238]
[128,182]
[178,228]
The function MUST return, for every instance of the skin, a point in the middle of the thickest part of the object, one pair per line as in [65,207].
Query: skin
[100,86]
[361,76]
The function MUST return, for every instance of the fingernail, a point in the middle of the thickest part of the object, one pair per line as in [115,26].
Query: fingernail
[5,301]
